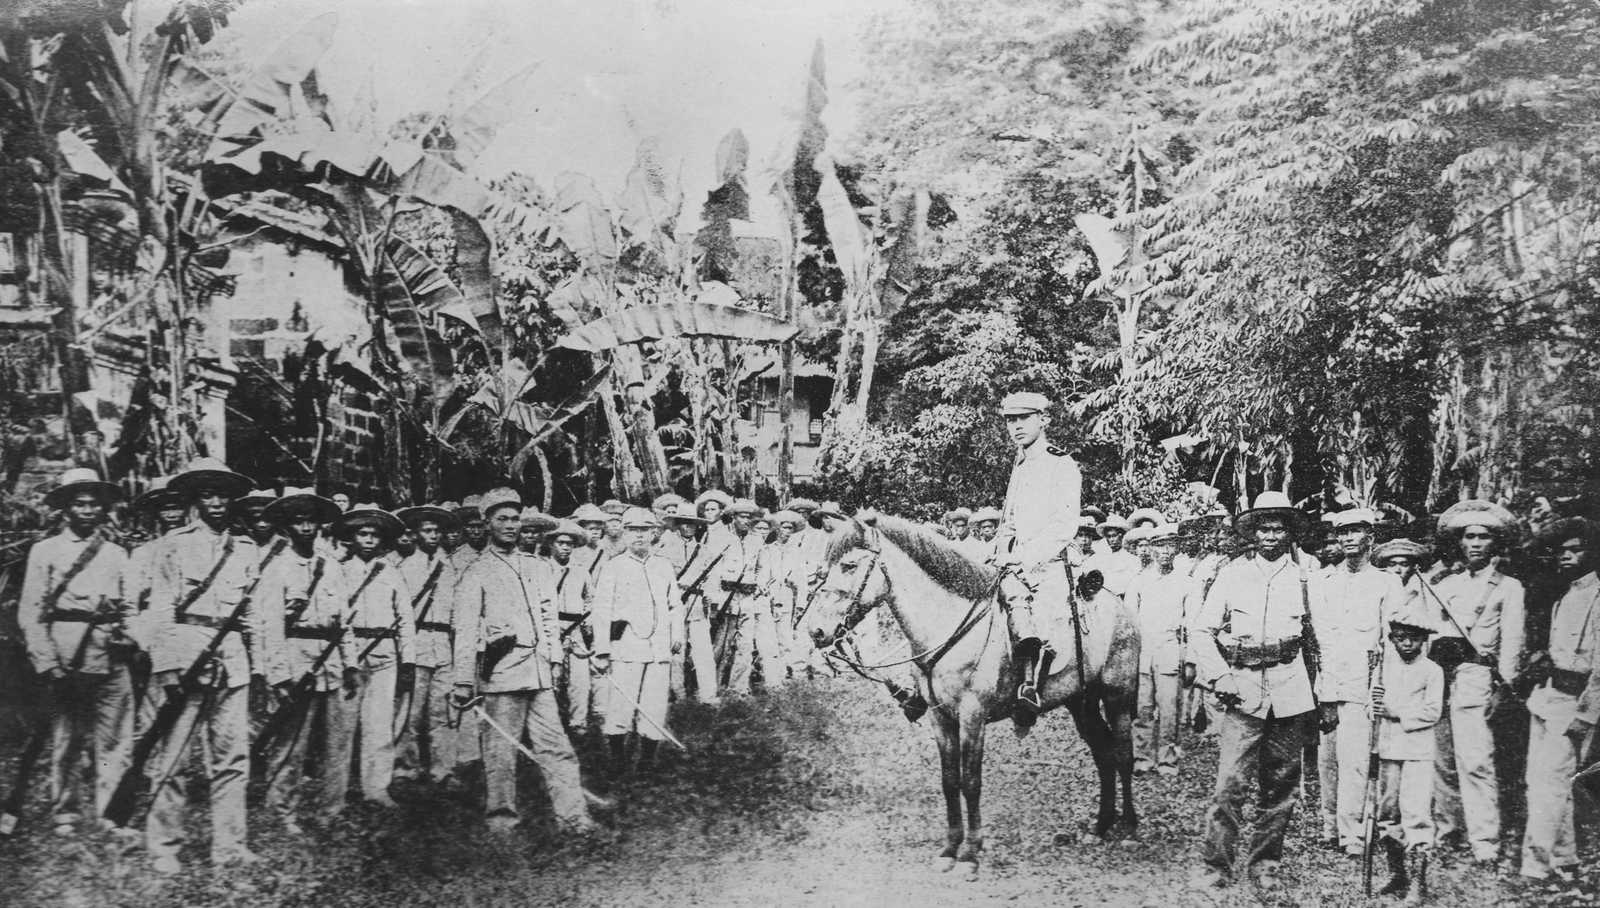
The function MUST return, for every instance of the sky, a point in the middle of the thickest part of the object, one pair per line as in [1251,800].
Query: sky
[611,72]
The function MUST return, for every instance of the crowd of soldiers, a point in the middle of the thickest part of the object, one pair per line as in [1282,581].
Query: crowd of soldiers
[418,644]
[426,641]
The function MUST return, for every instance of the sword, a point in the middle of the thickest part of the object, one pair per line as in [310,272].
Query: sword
[475,705]
[639,711]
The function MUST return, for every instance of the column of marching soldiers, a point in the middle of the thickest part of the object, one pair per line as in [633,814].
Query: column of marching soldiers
[311,652]
[1417,650]
[420,642]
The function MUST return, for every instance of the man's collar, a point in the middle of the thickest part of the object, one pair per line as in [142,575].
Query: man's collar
[1586,581]
[1039,444]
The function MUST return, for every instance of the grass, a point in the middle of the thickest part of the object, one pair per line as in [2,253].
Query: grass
[819,794]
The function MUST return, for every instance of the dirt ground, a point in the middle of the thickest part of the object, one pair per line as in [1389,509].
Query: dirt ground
[817,794]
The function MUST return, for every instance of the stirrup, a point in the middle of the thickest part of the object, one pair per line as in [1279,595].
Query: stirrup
[1028,695]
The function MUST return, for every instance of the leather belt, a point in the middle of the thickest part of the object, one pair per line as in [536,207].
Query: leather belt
[1567,682]
[312,633]
[210,621]
[1264,655]
[67,616]
[572,616]
[372,633]
[439,626]
[734,586]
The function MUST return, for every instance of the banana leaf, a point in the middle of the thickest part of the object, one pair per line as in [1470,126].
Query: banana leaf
[681,318]
[412,290]
[575,403]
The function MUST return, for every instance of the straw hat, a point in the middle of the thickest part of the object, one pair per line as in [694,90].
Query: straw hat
[293,500]
[1146,515]
[497,498]
[569,528]
[539,521]
[588,512]
[744,506]
[438,513]
[1113,523]
[209,473]
[1269,504]
[368,514]
[77,480]
[1475,512]
[159,496]
[986,515]
[717,495]
[640,519]
[1398,548]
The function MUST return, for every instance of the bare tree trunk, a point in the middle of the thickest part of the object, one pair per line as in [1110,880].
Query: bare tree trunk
[870,329]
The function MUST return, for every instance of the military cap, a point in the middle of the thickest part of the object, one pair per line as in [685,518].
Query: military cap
[640,519]
[1353,517]
[498,498]
[471,508]
[1413,617]
[81,479]
[987,515]
[538,521]
[614,507]
[297,501]
[1146,515]
[1023,402]
[369,515]
[1269,504]
[589,512]
[210,473]
[1397,548]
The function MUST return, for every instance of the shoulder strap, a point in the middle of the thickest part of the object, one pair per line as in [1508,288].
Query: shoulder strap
[566,570]
[73,570]
[292,616]
[197,592]
[425,595]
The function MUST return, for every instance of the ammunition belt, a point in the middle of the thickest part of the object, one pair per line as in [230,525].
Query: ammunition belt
[572,616]
[1264,655]
[373,633]
[73,616]
[734,586]
[210,621]
[439,626]
[1451,653]
[311,633]
[1569,683]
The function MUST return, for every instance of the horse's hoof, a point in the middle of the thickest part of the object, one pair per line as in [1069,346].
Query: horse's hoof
[944,864]
[969,871]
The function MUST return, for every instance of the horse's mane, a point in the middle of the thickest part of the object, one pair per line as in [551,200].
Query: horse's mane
[950,567]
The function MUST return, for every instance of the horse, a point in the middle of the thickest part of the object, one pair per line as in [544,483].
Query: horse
[947,605]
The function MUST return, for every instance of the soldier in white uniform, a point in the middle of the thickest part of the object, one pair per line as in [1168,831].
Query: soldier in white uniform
[1479,616]
[1564,707]
[1040,519]
[745,632]
[199,578]
[73,614]
[1360,597]
[1157,596]
[428,746]
[1117,565]
[636,612]
[574,597]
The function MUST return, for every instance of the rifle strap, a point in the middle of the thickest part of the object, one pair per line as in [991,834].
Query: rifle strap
[88,554]
[205,584]
[425,595]
[292,616]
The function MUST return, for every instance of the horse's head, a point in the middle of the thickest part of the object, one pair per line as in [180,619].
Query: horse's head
[855,582]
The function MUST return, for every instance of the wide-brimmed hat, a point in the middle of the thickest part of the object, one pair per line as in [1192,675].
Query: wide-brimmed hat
[1091,511]
[958,514]
[1146,515]
[588,512]
[640,519]
[1135,536]
[1113,523]
[1269,504]
[497,498]
[1160,531]
[368,514]
[208,473]
[801,504]
[717,495]
[438,513]
[538,521]
[832,509]
[1353,517]
[1475,512]
[1553,534]
[987,515]
[569,527]
[669,500]
[1398,548]
[294,500]
[252,503]
[81,479]
[744,506]
[787,516]
[685,517]
[158,496]
[471,509]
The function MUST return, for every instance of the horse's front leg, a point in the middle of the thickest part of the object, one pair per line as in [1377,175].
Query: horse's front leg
[972,725]
[947,732]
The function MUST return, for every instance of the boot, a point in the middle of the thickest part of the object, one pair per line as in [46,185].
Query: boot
[912,703]
[1395,854]
[649,749]
[618,745]
[1026,709]
[1417,860]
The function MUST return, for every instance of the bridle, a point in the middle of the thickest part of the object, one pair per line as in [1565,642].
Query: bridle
[857,611]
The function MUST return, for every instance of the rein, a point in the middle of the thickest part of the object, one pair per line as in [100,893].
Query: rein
[858,611]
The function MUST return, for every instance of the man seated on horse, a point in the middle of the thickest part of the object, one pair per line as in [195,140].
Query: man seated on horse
[1040,518]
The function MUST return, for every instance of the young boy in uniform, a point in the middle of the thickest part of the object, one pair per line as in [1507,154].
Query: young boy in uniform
[1407,701]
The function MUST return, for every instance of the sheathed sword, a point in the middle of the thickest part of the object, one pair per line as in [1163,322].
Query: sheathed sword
[639,711]
[475,706]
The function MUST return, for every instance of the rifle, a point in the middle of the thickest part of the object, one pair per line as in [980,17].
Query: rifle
[303,686]
[1497,684]
[120,808]
[11,810]
[1369,797]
